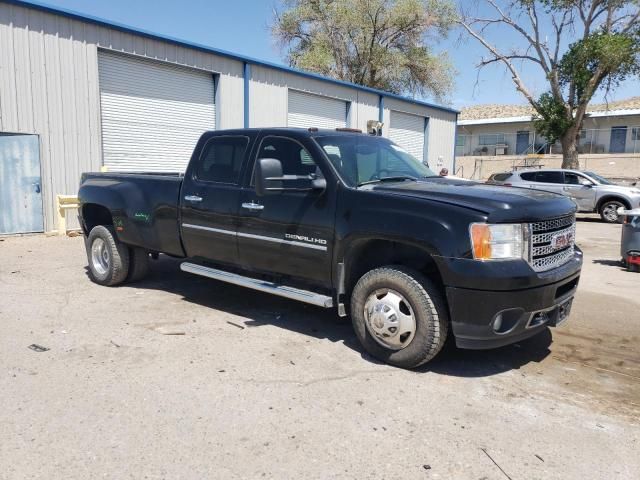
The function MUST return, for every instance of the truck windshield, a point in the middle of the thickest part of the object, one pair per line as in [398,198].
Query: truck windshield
[361,159]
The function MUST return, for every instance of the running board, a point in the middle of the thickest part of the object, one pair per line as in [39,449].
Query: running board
[261,285]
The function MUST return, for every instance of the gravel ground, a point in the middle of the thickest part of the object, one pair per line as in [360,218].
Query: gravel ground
[263,387]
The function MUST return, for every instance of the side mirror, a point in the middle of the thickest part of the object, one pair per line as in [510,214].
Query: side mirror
[270,180]
[586,183]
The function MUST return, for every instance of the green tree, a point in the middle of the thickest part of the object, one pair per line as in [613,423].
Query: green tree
[581,46]
[382,44]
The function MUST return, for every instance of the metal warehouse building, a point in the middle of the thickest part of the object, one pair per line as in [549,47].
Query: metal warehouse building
[79,93]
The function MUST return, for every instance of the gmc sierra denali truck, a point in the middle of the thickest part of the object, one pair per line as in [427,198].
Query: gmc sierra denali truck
[345,220]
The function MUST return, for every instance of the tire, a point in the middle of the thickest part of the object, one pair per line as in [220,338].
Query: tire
[138,264]
[421,298]
[108,257]
[608,211]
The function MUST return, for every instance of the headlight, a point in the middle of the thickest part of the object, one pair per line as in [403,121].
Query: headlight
[499,242]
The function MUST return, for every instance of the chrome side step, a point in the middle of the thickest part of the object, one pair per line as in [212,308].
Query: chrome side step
[261,285]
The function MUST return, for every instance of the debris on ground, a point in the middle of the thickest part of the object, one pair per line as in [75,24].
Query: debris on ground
[38,348]
[496,463]
[539,457]
[114,343]
[241,327]
[426,467]
[164,330]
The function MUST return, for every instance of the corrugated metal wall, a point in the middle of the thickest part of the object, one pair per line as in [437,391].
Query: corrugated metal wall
[441,131]
[49,86]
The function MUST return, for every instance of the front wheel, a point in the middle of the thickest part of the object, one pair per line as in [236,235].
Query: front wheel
[108,257]
[399,316]
[609,211]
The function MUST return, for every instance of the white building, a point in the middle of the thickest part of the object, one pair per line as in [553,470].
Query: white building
[496,130]
[79,93]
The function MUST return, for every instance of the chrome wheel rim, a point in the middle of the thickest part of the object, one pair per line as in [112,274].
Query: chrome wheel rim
[390,319]
[99,256]
[610,212]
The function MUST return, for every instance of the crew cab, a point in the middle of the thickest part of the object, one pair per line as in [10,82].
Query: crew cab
[350,221]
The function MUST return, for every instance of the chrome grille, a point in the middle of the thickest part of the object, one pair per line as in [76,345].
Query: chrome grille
[543,255]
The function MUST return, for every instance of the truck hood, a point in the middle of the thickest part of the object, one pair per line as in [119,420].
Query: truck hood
[500,204]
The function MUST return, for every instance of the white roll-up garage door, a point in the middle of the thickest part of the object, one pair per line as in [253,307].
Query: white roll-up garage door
[307,110]
[152,113]
[408,131]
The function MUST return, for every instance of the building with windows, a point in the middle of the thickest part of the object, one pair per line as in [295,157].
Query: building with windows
[488,130]
[78,93]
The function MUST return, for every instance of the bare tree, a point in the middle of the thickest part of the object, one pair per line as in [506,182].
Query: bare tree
[580,46]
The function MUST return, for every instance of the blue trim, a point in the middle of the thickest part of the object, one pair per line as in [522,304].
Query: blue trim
[203,48]
[247,77]
[425,142]
[455,143]
[381,108]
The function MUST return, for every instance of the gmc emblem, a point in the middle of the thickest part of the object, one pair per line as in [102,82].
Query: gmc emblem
[561,240]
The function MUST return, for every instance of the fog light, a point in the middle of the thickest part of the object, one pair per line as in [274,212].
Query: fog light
[497,323]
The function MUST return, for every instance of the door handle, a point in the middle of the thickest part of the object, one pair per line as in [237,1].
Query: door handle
[253,206]
[37,185]
[193,198]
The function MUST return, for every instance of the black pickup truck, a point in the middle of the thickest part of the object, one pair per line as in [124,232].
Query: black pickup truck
[343,219]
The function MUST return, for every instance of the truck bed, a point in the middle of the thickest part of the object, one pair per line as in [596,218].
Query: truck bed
[145,207]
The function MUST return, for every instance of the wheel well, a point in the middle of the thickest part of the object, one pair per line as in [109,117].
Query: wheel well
[367,255]
[603,200]
[93,215]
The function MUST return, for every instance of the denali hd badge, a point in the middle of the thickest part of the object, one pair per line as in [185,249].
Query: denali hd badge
[561,240]
[303,238]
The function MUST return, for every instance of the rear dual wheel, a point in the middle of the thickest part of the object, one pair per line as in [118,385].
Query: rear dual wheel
[111,262]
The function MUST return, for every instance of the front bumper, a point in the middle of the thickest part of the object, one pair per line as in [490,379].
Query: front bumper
[482,319]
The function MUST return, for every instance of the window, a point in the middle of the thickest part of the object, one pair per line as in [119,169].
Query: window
[222,159]
[294,157]
[583,134]
[573,179]
[500,177]
[528,176]
[491,139]
[549,177]
[635,134]
[460,140]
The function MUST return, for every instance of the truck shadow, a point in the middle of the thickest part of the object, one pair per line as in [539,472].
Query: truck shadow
[260,309]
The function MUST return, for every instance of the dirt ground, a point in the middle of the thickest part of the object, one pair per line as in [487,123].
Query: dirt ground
[263,387]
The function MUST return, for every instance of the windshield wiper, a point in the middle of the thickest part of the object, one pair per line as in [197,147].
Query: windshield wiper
[389,179]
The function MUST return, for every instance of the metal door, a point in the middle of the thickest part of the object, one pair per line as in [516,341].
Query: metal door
[20,187]
[522,142]
[408,131]
[152,112]
[618,142]
[307,110]
[289,233]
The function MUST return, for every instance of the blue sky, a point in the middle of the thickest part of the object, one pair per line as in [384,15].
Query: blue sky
[242,26]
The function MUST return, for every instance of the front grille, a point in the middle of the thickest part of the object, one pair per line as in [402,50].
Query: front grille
[543,253]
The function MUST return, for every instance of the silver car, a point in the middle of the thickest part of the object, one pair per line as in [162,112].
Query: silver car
[589,191]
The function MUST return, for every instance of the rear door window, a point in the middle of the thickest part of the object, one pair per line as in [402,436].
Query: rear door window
[528,176]
[221,160]
[549,177]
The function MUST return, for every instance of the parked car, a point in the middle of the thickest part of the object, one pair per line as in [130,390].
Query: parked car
[344,219]
[590,191]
